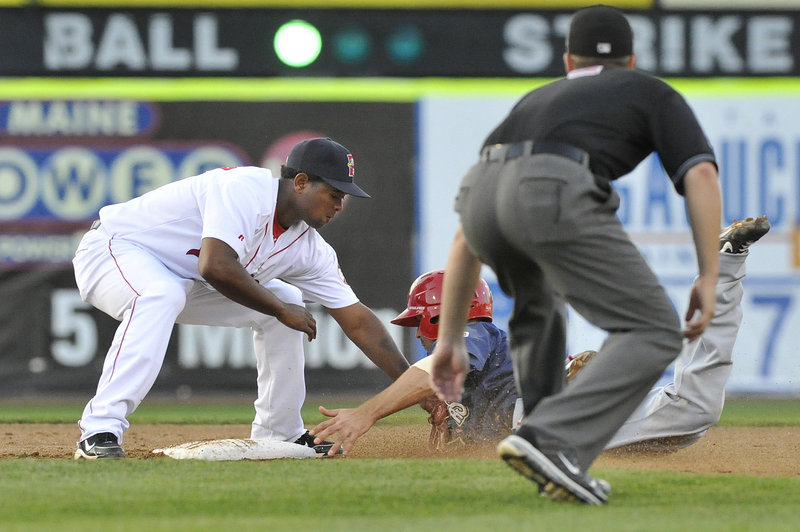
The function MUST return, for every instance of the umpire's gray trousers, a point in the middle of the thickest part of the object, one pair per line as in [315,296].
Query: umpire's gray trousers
[551,234]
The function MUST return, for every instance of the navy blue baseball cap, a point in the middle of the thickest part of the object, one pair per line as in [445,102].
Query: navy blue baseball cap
[599,31]
[328,160]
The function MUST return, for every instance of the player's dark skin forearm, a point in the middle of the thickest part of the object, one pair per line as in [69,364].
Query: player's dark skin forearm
[364,328]
[219,265]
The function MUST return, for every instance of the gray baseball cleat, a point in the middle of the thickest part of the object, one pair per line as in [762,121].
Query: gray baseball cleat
[737,237]
[555,471]
[99,446]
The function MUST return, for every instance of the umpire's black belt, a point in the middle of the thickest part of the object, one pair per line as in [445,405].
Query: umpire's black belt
[512,150]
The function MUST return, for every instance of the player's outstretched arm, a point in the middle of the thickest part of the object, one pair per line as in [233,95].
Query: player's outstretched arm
[364,328]
[219,265]
[348,424]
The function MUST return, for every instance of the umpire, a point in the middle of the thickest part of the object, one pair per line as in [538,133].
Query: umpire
[539,210]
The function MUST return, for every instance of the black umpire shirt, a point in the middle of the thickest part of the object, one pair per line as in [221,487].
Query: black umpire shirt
[617,115]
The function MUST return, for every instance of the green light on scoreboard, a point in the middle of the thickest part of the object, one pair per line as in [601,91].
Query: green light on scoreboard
[405,45]
[297,43]
[352,45]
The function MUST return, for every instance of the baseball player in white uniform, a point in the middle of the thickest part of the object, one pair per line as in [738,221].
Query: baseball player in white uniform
[210,249]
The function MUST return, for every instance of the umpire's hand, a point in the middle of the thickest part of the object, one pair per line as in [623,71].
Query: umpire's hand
[450,367]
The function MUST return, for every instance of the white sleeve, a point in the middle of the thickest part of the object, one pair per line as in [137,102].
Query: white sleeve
[425,364]
[233,203]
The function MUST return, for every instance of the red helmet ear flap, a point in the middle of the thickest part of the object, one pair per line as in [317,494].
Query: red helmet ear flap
[429,324]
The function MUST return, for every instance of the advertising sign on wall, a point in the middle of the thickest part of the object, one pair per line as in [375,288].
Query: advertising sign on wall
[61,161]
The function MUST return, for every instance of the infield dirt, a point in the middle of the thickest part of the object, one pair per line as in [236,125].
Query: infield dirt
[762,451]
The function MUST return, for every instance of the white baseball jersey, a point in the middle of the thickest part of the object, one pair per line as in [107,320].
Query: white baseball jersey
[237,206]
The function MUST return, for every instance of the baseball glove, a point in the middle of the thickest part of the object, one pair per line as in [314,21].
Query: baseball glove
[440,432]
[575,363]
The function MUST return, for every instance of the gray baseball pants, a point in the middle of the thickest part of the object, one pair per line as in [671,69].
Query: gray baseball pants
[551,235]
[680,412]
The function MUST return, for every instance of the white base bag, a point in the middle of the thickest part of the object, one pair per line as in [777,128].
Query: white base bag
[233,449]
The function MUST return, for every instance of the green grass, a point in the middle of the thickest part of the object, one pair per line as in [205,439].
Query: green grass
[742,412]
[367,494]
[745,412]
[232,412]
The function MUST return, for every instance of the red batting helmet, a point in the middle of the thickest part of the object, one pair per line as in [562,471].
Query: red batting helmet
[425,299]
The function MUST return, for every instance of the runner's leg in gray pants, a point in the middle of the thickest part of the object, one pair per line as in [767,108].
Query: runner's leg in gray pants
[685,408]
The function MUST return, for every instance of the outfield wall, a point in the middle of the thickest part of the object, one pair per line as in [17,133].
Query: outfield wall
[756,136]
[413,139]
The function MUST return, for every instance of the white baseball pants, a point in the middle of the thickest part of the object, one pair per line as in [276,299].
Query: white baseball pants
[134,287]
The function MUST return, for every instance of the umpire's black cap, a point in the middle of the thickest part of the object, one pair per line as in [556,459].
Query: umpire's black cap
[599,31]
[328,160]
